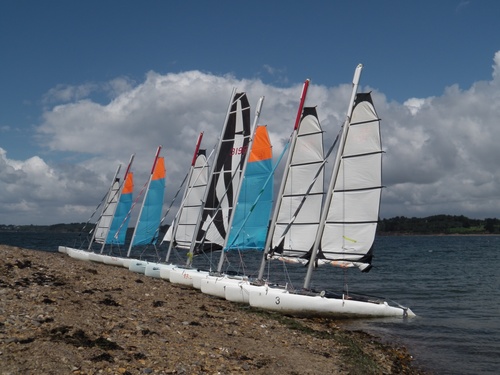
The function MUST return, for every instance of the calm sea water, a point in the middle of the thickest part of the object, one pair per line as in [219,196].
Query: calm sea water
[450,282]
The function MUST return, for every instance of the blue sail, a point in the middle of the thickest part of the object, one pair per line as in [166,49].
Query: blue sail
[252,213]
[148,224]
[118,229]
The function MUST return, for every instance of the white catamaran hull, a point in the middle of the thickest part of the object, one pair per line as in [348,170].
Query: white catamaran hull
[94,257]
[316,305]
[126,262]
[62,249]
[137,266]
[165,271]
[239,292]
[112,260]
[105,259]
[187,276]
[153,270]
[216,285]
[77,253]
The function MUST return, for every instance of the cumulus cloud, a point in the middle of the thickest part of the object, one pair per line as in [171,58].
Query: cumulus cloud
[441,152]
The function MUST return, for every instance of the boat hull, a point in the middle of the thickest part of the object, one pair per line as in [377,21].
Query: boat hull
[165,271]
[239,292]
[216,285]
[96,257]
[112,260]
[306,305]
[153,270]
[187,276]
[137,266]
[77,253]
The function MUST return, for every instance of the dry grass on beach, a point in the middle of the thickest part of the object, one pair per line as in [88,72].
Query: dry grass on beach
[64,316]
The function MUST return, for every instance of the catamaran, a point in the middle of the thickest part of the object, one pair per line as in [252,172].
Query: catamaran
[146,230]
[299,198]
[250,222]
[114,212]
[346,229]
[219,198]
[180,233]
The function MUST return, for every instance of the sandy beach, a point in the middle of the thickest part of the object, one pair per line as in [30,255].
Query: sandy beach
[64,316]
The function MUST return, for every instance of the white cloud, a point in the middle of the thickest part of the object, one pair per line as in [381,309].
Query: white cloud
[441,152]
[68,93]
[496,66]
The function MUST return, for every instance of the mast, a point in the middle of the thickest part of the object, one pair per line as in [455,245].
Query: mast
[328,199]
[107,203]
[144,200]
[284,178]
[205,196]
[186,193]
[242,174]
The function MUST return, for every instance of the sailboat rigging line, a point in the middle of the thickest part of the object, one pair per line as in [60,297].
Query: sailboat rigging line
[129,213]
[172,203]
[109,199]
[99,205]
[93,213]
[260,194]
[210,180]
[335,173]
[153,168]
[217,209]
[175,222]
[242,167]
[307,193]
[292,142]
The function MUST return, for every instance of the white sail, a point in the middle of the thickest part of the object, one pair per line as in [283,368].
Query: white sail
[107,214]
[352,218]
[295,228]
[191,205]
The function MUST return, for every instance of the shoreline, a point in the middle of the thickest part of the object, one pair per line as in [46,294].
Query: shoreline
[61,315]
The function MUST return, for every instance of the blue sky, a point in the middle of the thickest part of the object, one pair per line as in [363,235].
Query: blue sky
[81,88]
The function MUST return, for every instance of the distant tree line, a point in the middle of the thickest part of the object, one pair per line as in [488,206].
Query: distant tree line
[399,225]
[56,228]
[59,228]
[438,224]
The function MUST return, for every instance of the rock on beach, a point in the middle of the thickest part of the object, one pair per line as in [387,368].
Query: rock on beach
[59,315]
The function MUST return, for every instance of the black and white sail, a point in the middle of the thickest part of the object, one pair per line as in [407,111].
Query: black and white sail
[225,177]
